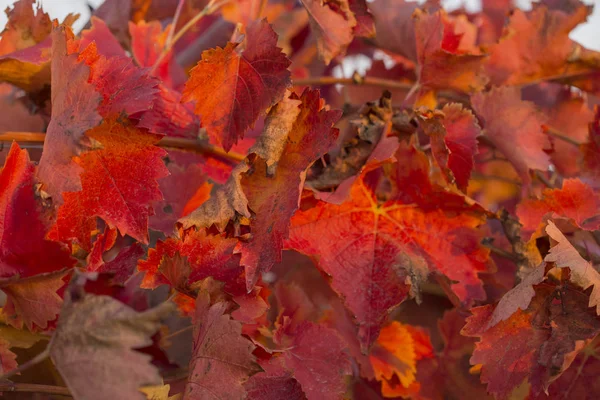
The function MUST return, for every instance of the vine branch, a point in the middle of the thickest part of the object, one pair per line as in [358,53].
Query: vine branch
[34,388]
[356,80]
[561,136]
[166,142]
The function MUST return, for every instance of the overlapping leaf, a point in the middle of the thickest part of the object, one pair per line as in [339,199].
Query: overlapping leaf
[382,244]
[297,132]
[232,89]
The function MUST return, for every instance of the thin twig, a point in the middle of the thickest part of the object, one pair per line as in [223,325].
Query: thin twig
[559,135]
[34,361]
[503,253]
[166,142]
[261,8]
[33,388]
[368,81]
[209,9]
[174,23]
[180,331]
[540,176]
[480,176]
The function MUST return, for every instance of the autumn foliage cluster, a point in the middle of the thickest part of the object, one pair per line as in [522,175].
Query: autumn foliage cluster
[202,200]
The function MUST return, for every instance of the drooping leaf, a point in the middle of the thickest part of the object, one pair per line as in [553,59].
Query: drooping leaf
[241,85]
[222,358]
[74,110]
[93,347]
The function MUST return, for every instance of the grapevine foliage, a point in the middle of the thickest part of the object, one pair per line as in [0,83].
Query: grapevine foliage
[195,203]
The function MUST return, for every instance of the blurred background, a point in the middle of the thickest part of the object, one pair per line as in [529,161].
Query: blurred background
[587,34]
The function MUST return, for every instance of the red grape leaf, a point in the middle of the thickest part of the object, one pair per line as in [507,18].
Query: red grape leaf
[579,381]
[104,242]
[102,329]
[118,183]
[207,256]
[124,87]
[222,358]
[148,40]
[395,26]
[453,135]
[514,126]
[25,46]
[32,301]
[184,184]
[396,352]
[536,46]
[241,86]
[275,383]
[123,265]
[290,143]
[297,132]
[319,360]
[583,273]
[571,117]
[381,242]
[446,58]
[365,24]
[591,153]
[24,250]
[531,344]
[575,201]
[168,116]
[518,297]
[8,359]
[27,25]
[74,111]
[104,40]
[333,25]
[440,377]
[228,203]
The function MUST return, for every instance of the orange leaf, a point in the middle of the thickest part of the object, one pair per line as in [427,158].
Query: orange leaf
[232,89]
